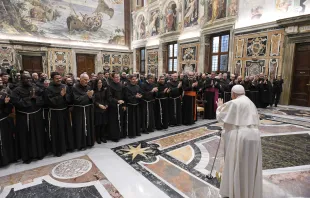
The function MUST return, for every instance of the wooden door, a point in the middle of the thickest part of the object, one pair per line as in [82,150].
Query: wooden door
[85,63]
[300,94]
[32,64]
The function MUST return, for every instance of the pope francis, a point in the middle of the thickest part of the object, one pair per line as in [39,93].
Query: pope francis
[242,174]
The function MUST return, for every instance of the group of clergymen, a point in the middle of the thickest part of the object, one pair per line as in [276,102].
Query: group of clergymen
[62,114]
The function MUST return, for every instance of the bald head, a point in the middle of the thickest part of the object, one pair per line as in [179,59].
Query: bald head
[84,78]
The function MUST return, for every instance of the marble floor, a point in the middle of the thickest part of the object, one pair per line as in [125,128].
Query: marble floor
[171,163]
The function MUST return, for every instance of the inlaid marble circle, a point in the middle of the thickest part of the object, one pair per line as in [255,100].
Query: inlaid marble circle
[71,169]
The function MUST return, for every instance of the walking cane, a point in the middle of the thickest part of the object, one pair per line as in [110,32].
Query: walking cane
[210,175]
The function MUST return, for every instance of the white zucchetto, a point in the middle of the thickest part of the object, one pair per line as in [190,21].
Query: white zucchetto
[238,89]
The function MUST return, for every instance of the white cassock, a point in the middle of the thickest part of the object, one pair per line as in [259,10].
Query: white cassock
[242,174]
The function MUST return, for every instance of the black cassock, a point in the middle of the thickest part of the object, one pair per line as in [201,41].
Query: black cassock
[133,122]
[211,91]
[161,108]
[147,108]
[59,124]
[116,112]
[189,108]
[265,91]
[174,103]
[7,139]
[29,121]
[83,117]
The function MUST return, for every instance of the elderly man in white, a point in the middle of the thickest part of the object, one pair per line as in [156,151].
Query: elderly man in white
[242,174]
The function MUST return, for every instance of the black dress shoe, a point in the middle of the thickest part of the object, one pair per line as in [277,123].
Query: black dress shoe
[115,140]
[146,132]
[98,141]
[103,140]
[27,161]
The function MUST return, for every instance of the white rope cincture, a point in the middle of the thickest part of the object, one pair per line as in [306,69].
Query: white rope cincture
[28,116]
[49,120]
[1,137]
[147,113]
[85,117]
[119,118]
[175,106]
[127,118]
[161,109]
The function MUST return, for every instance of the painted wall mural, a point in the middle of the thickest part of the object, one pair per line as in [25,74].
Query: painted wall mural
[216,9]
[191,15]
[154,23]
[170,19]
[258,52]
[94,20]
[252,12]
[141,34]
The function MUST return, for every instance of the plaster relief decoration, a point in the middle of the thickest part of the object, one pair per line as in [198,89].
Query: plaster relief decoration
[189,57]
[273,68]
[275,45]
[116,59]
[154,23]
[170,19]
[238,67]
[6,57]
[255,67]
[239,48]
[257,46]
[191,15]
[216,9]
[93,21]
[140,31]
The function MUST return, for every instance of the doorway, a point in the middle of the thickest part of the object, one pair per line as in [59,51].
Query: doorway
[32,64]
[300,94]
[85,63]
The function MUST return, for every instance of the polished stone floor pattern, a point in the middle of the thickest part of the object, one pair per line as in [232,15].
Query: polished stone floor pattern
[169,163]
